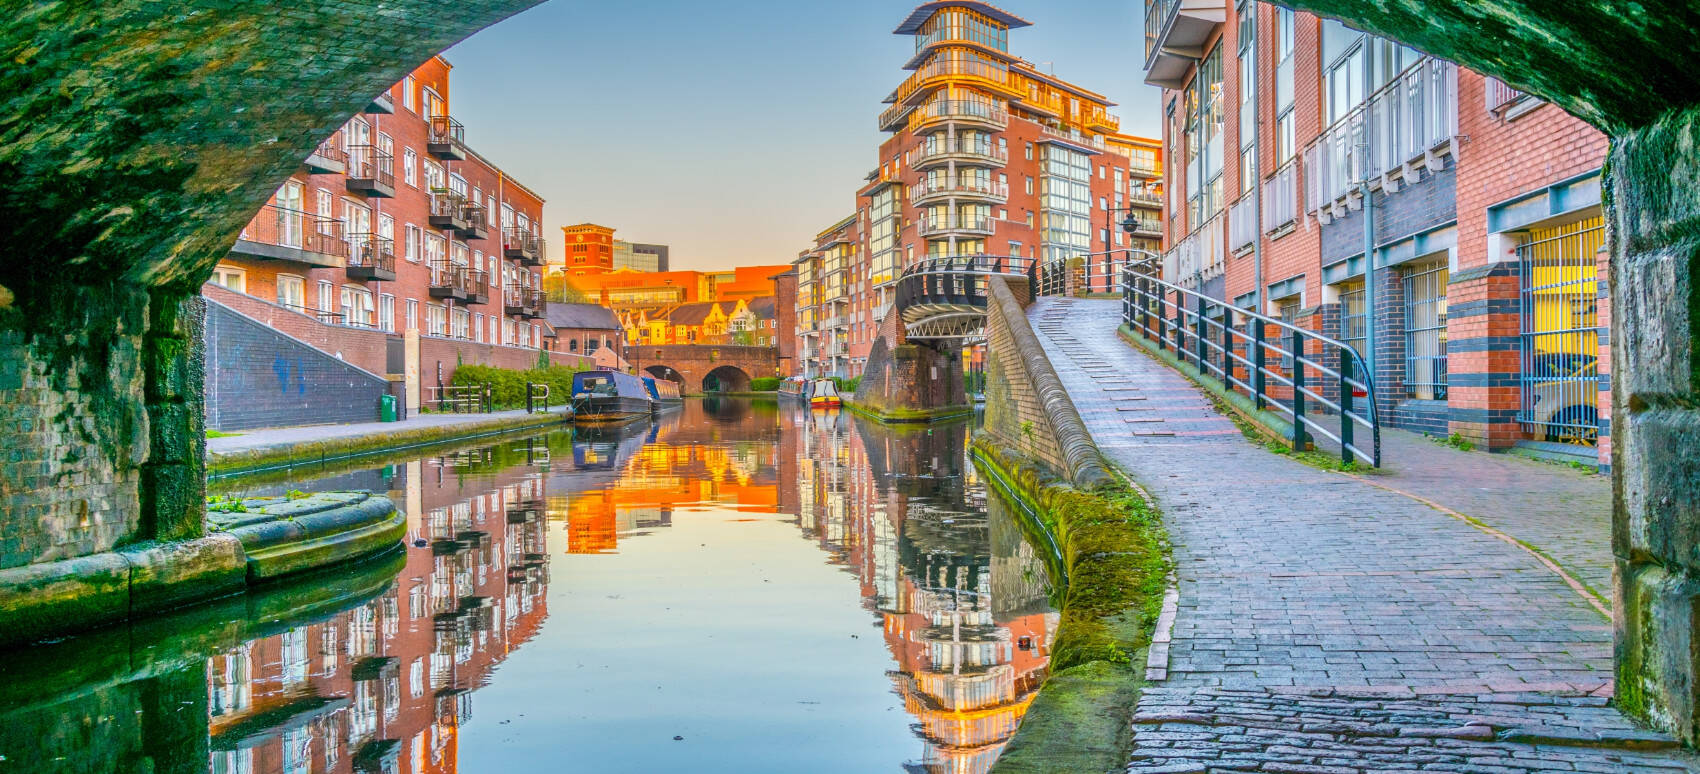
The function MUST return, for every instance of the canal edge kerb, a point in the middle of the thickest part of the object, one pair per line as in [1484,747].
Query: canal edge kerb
[1113,554]
[335,449]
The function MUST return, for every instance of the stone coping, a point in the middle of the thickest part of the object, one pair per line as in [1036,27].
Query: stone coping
[386,439]
[275,539]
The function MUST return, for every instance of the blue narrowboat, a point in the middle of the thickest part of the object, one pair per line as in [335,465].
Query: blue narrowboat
[608,397]
[663,394]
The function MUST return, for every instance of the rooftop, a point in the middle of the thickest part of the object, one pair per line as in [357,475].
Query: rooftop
[925,11]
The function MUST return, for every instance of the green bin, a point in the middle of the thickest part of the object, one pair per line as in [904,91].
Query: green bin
[386,408]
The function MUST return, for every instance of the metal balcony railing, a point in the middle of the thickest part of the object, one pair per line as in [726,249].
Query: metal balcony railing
[322,315]
[285,227]
[975,188]
[1158,14]
[1198,257]
[1413,116]
[371,170]
[523,301]
[1152,198]
[371,257]
[1242,223]
[1281,198]
[1075,136]
[447,139]
[1279,366]
[522,245]
[944,150]
[962,110]
[930,225]
[451,280]
[329,157]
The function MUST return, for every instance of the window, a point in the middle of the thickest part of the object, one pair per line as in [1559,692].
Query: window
[1029,151]
[356,306]
[1029,185]
[409,94]
[1204,139]
[1247,87]
[292,291]
[386,313]
[478,327]
[289,214]
[412,314]
[326,301]
[462,321]
[1425,331]
[1354,316]
[1285,139]
[235,279]
[409,167]
[436,320]
[413,250]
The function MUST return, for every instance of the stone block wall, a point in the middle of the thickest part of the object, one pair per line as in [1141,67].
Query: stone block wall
[258,376]
[1026,405]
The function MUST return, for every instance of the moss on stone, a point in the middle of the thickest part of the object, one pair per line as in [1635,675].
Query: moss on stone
[909,416]
[1109,561]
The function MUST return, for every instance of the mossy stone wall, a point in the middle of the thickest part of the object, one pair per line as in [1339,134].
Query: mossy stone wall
[136,140]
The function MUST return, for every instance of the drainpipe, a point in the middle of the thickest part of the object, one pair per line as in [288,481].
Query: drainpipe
[1252,7]
[1369,216]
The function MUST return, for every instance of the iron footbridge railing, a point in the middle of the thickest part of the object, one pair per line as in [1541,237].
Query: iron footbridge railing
[1280,366]
[1094,273]
[945,298]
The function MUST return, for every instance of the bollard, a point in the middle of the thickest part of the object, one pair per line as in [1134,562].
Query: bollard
[1345,404]
[1297,343]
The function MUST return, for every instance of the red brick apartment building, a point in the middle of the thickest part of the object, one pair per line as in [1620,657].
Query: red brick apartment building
[395,250]
[988,155]
[1487,235]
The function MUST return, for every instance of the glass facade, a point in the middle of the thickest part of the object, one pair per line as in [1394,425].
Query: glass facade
[1065,203]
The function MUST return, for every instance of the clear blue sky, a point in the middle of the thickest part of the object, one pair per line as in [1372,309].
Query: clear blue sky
[733,130]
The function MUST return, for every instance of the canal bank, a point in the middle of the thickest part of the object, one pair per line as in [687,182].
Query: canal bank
[263,449]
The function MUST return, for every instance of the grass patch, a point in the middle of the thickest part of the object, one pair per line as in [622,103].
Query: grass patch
[1109,559]
[221,434]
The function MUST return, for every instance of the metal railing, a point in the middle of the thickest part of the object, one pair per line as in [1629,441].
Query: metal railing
[1242,223]
[286,227]
[322,315]
[1198,257]
[1081,274]
[930,225]
[1158,14]
[954,280]
[447,131]
[1075,136]
[985,188]
[962,109]
[1280,366]
[944,149]
[1413,114]
[370,251]
[521,243]
[1281,198]
[367,162]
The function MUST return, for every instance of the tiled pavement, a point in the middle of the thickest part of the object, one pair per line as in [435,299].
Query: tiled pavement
[249,440]
[1327,625]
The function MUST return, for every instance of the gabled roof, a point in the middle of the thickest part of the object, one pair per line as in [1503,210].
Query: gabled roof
[583,316]
[691,314]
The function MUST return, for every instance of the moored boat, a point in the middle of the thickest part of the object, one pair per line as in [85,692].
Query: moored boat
[609,397]
[795,388]
[664,394]
[824,394]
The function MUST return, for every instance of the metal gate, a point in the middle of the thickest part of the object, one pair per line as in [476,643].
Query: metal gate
[1560,327]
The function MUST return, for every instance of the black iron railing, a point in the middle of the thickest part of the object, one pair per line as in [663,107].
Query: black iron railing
[954,281]
[1321,385]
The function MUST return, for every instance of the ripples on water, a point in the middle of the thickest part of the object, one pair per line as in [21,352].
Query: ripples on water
[740,587]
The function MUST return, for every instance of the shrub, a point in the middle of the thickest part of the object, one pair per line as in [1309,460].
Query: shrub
[507,386]
[764,384]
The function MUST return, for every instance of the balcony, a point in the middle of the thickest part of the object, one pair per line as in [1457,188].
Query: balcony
[1073,137]
[371,172]
[1146,198]
[523,302]
[329,158]
[1175,34]
[452,212]
[521,245]
[961,110]
[460,283]
[979,190]
[934,154]
[448,139]
[371,257]
[1146,228]
[293,236]
[931,227]
[1408,124]
[941,73]
[1197,258]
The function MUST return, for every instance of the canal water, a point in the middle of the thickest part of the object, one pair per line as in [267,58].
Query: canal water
[741,586]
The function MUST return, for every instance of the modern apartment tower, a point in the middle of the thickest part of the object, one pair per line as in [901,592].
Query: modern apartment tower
[988,155]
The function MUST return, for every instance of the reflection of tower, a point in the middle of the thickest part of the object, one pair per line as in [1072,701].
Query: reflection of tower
[895,507]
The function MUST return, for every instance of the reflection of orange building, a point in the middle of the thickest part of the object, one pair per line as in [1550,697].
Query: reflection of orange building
[385,686]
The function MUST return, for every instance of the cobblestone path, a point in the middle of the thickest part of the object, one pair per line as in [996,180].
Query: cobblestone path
[1327,625]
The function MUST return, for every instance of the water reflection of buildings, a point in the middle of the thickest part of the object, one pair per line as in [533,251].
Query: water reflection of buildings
[961,598]
[687,460]
[385,686]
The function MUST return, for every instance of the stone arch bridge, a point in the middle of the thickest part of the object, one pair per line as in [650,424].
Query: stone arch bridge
[705,368]
[137,137]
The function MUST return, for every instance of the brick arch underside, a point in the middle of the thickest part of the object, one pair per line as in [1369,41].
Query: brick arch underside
[137,138]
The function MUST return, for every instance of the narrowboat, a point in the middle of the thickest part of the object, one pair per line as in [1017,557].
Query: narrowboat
[795,388]
[824,394]
[664,394]
[608,397]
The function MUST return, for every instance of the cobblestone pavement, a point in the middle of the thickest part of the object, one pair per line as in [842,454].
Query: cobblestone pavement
[1322,620]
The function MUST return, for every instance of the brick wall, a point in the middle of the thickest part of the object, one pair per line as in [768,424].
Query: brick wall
[257,376]
[363,348]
